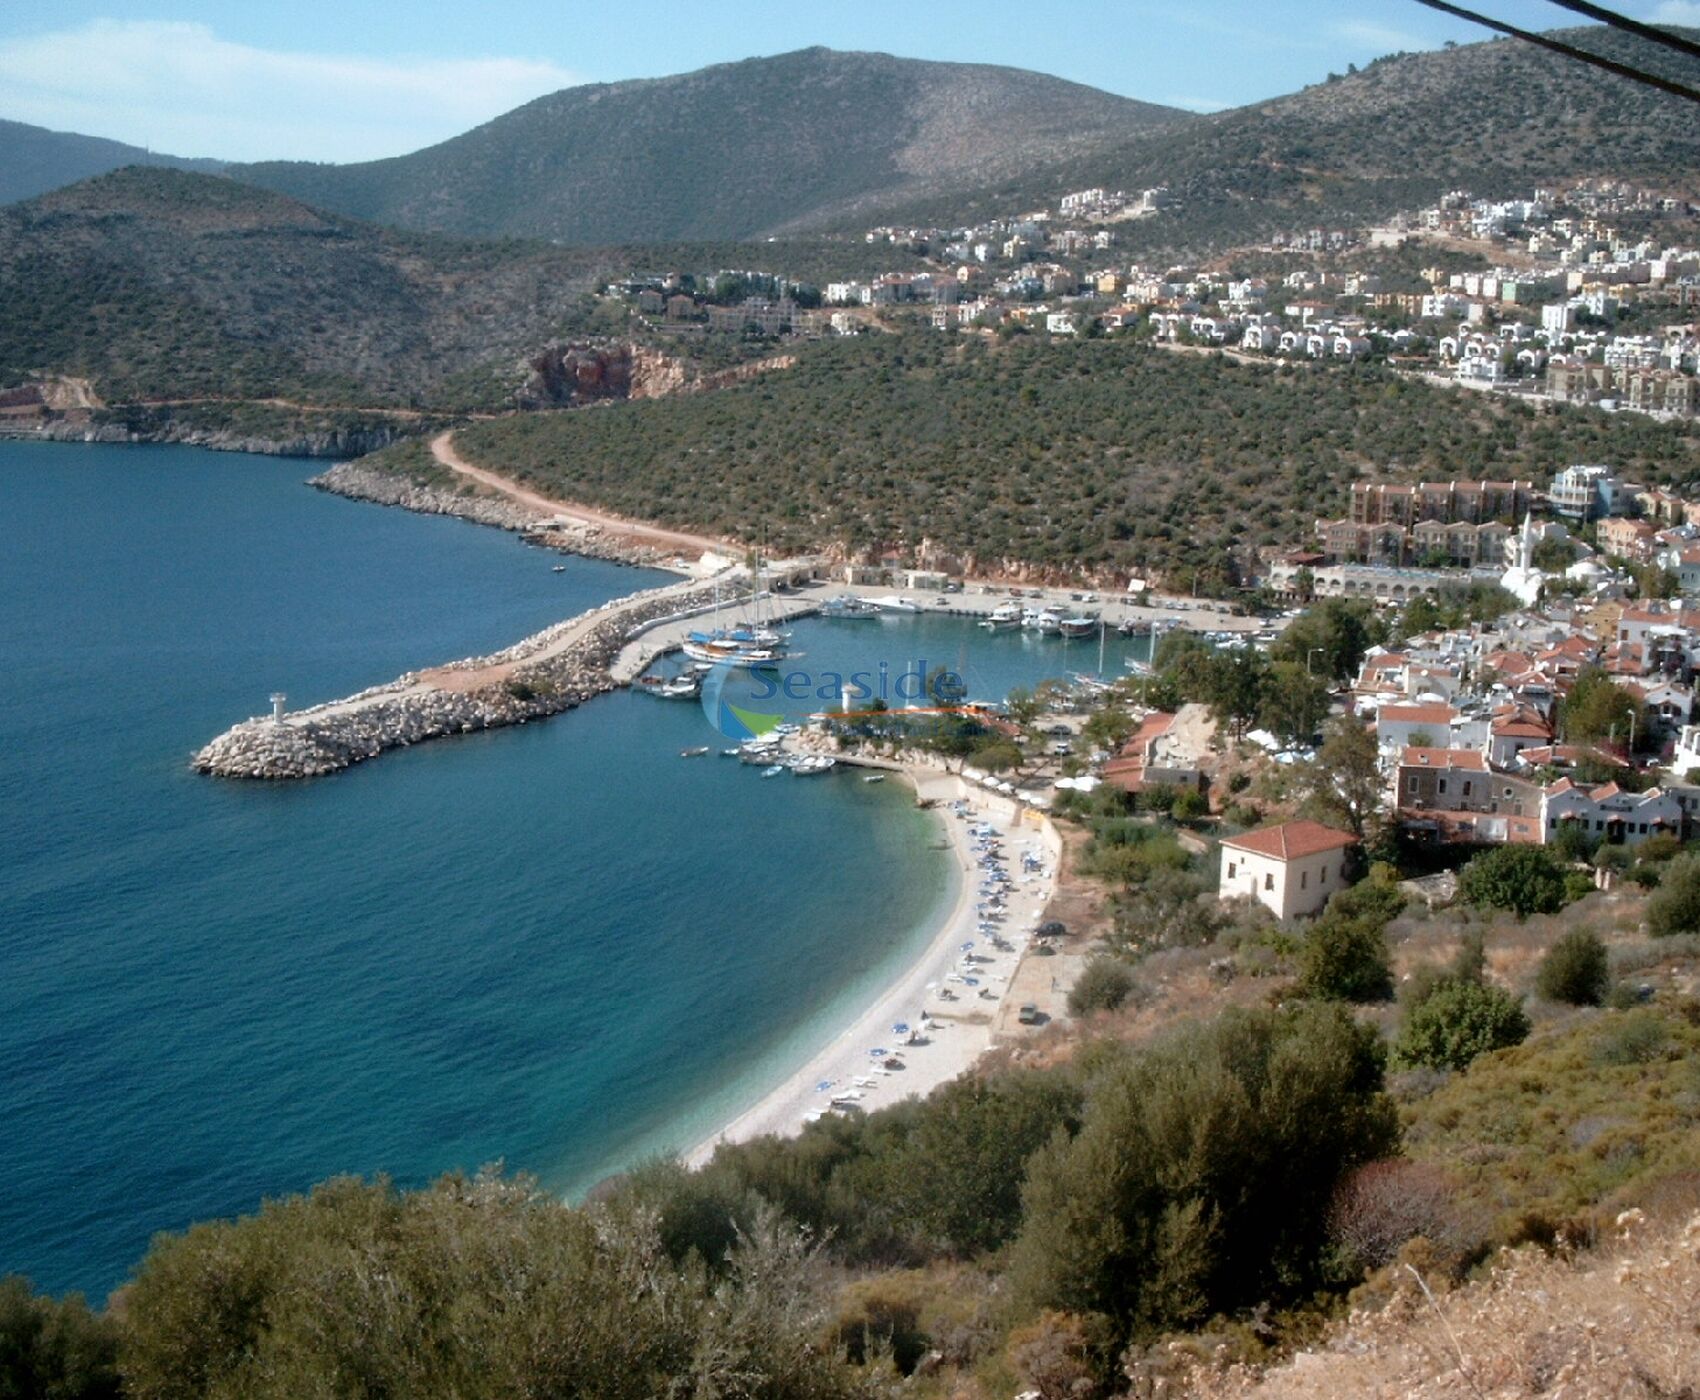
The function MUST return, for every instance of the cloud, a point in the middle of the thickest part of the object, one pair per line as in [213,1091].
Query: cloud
[1684,12]
[178,87]
[1380,37]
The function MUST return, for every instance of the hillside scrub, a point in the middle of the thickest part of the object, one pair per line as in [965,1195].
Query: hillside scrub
[1080,456]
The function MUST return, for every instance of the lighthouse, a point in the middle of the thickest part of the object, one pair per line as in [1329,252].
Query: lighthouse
[278,697]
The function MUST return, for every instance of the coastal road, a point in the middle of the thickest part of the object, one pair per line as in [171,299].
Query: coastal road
[650,536]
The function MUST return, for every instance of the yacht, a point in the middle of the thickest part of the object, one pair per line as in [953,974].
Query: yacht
[1045,621]
[847,607]
[1003,619]
[1078,625]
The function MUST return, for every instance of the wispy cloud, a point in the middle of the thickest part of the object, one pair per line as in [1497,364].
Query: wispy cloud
[1684,12]
[179,87]
[1382,38]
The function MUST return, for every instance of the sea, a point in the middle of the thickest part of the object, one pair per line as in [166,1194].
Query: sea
[561,947]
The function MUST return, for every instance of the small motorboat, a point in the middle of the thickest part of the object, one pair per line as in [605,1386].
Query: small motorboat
[559,569]
[693,753]
[874,778]
[774,771]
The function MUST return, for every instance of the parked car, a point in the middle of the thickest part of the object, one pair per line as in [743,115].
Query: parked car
[1028,1015]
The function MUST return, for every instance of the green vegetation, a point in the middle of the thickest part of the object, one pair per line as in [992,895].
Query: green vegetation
[1458,1021]
[1576,969]
[1675,906]
[1104,455]
[670,158]
[56,1350]
[1523,879]
[1105,984]
[1344,955]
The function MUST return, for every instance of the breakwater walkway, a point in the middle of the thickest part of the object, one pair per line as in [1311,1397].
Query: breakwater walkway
[554,670]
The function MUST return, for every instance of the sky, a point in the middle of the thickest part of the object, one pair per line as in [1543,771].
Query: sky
[360,79]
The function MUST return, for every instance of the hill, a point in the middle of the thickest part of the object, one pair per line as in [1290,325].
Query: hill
[159,284]
[732,151]
[34,160]
[1496,117]
[1106,456]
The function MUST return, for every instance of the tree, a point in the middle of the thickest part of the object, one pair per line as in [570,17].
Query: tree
[1575,970]
[1346,959]
[1108,729]
[1294,703]
[1597,708]
[58,1350]
[1233,685]
[1344,780]
[1675,906]
[1337,630]
[1458,1021]
[1524,879]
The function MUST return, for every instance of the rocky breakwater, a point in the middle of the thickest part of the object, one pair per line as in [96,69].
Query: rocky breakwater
[555,670]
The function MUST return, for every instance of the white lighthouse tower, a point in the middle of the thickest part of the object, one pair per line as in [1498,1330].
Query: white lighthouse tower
[278,697]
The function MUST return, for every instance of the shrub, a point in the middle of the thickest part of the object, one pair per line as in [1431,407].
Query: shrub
[1105,985]
[1636,1038]
[1524,879]
[1575,969]
[1458,1021]
[1345,960]
[1189,806]
[1382,1205]
[1675,906]
[1201,1176]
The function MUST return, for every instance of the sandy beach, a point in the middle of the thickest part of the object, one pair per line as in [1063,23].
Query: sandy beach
[960,1029]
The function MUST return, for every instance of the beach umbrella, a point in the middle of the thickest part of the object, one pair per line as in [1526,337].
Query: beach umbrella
[823,1086]
[968,945]
[901,1028]
[879,1053]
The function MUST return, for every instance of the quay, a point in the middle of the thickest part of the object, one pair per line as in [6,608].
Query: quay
[585,656]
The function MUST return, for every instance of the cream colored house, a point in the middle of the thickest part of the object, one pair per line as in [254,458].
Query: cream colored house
[1291,868]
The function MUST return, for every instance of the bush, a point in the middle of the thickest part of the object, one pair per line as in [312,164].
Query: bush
[1458,1021]
[1189,806]
[1345,960]
[1382,1205]
[1575,970]
[54,1349]
[1675,906]
[1201,1177]
[1105,985]
[1524,879]
[1635,1038]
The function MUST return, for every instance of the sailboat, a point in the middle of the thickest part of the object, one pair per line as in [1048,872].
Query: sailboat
[751,646]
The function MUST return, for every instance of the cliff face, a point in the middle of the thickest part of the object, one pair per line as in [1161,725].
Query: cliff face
[565,376]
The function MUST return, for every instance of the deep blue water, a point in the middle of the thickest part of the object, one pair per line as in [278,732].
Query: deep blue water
[560,945]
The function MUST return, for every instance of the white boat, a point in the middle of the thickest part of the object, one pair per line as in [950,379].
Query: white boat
[686,687]
[847,607]
[1045,621]
[809,765]
[773,771]
[1003,619]
[874,778]
[1079,625]
[693,753]
[893,603]
[559,569]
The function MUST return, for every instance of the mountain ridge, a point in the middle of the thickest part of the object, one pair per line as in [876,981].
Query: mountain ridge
[39,159]
[735,150]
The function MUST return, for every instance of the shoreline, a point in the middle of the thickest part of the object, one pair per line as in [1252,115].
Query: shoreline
[965,1028]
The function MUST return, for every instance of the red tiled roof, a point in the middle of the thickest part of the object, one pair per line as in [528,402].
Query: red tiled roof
[1416,756]
[1292,840]
[1417,714]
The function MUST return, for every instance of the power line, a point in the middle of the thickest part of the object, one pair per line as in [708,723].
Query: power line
[1631,26]
[1558,46]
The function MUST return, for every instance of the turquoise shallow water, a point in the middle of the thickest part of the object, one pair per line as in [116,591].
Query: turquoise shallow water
[560,945]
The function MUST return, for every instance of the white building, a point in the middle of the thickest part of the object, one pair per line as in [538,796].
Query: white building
[1292,869]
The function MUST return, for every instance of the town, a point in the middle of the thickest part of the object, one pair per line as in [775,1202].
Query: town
[1581,295]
